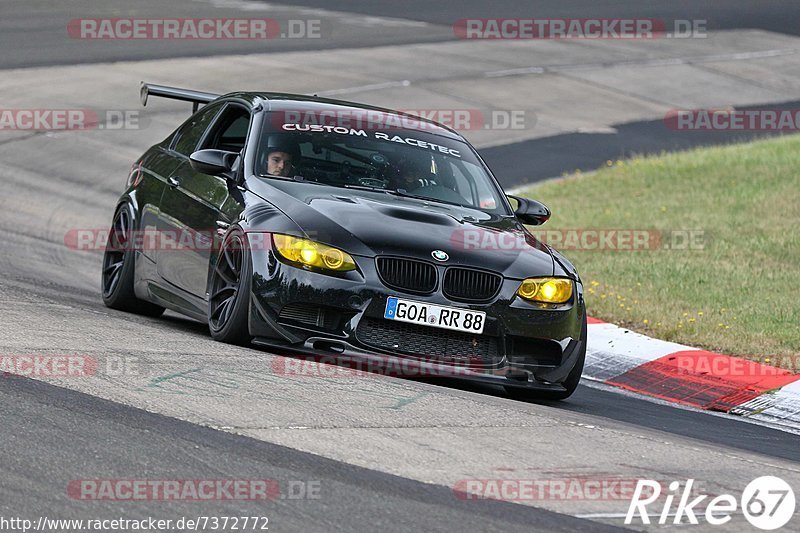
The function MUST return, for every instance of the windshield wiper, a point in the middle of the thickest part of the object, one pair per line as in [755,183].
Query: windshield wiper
[366,188]
[275,176]
[428,199]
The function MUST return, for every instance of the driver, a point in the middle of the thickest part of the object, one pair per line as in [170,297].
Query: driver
[279,163]
[280,157]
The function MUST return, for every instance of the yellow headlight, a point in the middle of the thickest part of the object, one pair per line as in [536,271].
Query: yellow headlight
[333,258]
[313,254]
[528,289]
[309,255]
[547,290]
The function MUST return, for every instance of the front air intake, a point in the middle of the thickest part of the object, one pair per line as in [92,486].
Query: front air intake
[407,275]
[470,285]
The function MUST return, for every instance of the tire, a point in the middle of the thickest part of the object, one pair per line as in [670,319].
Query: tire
[229,291]
[118,268]
[570,384]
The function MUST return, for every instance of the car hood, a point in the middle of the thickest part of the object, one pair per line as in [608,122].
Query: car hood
[370,223]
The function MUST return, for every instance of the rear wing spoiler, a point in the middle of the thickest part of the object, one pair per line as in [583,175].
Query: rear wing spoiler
[186,95]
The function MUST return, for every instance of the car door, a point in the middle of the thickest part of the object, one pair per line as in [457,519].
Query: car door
[195,207]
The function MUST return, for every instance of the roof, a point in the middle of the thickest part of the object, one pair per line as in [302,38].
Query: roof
[315,104]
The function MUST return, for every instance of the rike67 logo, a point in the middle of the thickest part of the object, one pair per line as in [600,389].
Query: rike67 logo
[767,502]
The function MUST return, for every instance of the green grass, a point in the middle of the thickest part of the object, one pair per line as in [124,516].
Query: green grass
[740,293]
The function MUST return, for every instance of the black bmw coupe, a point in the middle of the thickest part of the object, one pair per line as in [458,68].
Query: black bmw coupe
[347,232]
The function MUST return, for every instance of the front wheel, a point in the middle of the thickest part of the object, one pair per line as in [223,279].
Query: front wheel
[570,384]
[118,267]
[229,290]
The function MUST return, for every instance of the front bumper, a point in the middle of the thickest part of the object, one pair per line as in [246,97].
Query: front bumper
[340,319]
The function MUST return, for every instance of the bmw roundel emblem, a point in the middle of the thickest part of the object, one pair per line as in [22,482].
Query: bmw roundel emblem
[440,255]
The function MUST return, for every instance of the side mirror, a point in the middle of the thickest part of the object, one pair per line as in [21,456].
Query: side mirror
[530,211]
[214,162]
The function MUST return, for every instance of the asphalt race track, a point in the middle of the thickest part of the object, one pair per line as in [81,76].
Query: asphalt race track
[167,402]
[35,31]
[732,14]
[568,152]
[121,439]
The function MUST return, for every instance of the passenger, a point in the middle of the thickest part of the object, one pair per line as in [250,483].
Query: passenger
[409,175]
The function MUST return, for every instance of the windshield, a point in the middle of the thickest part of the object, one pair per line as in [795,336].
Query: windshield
[401,162]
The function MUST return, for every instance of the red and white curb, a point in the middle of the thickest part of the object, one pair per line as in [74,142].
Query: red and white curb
[690,376]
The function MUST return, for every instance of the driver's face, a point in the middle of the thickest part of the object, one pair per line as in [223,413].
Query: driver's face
[279,164]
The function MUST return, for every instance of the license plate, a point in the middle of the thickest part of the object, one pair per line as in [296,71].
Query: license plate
[436,316]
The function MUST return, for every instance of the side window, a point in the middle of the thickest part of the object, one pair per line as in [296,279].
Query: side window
[477,192]
[191,132]
[229,132]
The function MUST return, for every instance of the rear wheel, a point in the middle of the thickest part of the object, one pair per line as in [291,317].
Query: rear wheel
[229,294]
[570,384]
[118,267]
